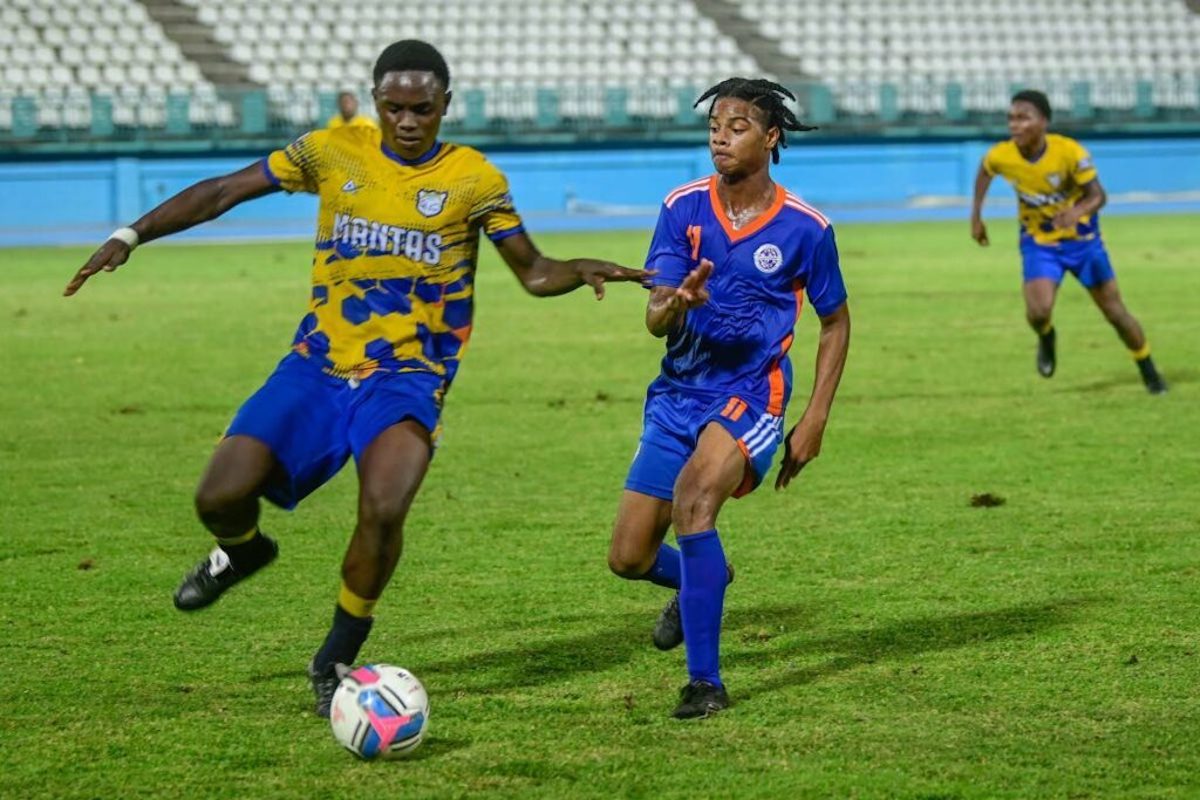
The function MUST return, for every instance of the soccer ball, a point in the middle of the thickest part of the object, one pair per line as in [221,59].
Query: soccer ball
[379,711]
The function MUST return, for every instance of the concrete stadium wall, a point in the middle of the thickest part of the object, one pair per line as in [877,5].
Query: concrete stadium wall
[79,202]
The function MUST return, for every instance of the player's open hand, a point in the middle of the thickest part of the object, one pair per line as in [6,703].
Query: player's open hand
[596,273]
[802,445]
[693,292]
[979,232]
[111,255]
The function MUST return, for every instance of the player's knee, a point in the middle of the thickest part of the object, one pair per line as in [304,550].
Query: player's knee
[383,511]
[1115,313]
[215,502]
[627,565]
[695,509]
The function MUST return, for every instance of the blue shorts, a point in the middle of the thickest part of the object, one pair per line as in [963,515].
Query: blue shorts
[1086,260]
[313,422]
[671,427]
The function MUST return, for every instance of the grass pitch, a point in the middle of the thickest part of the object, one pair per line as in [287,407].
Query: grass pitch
[884,637]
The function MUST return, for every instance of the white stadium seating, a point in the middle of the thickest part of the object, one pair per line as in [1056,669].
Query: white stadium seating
[649,52]
[988,47]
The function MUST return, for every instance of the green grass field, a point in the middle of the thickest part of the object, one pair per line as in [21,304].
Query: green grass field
[884,638]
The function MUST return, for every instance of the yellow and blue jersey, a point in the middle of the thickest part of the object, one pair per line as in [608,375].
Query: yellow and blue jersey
[1047,185]
[396,247]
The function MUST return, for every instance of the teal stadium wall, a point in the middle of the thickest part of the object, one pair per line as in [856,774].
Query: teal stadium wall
[81,201]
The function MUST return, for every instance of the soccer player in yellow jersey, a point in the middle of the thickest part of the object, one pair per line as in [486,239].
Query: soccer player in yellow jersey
[348,113]
[390,312]
[1059,197]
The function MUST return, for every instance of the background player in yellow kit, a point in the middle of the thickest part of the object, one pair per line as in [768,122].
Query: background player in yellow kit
[347,113]
[391,308]
[1059,197]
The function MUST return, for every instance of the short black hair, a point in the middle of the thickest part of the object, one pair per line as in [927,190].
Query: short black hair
[1036,99]
[412,55]
[764,94]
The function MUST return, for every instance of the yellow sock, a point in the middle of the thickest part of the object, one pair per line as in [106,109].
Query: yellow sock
[1142,352]
[1049,326]
[233,541]
[354,605]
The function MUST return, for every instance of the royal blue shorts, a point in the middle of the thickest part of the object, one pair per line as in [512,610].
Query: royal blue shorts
[313,422]
[671,427]
[1086,260]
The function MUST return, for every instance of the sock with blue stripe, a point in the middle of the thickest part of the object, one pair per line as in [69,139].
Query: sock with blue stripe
[667,568]
[701,599]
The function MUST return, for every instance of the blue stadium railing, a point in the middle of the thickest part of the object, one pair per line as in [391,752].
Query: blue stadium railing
[227,119]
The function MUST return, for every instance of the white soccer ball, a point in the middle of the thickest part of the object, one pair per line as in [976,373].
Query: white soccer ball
[379,711]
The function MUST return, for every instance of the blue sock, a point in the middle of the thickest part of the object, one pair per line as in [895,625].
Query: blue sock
[666,569]
[701,598]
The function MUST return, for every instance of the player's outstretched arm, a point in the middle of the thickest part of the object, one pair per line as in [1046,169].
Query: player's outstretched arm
[668,304]
[543,276]
[198,203]
[803,442]
[978,230]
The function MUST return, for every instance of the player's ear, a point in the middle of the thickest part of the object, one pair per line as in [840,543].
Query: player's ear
[772,137]
[448,94]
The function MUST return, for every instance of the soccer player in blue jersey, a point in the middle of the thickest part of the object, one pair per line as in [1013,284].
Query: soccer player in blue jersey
[734,255]
[391,307]
[1059,198]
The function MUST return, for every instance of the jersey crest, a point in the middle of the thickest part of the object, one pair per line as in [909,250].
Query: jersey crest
[768,258]
[430,202]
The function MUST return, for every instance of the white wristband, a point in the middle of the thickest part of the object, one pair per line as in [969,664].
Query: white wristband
[127,235]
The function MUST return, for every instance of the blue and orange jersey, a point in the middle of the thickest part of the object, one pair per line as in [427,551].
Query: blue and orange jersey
[397,241]
[1046,185]
[737,343]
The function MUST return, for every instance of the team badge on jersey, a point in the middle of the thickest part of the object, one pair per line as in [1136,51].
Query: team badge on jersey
[430,203]
[768,258]
[1054,179]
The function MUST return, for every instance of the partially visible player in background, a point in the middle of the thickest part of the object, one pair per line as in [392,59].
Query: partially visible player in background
[734,254]
[390,314]
[1059,197]
[347,113]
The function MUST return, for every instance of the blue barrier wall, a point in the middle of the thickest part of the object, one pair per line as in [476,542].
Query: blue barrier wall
[48,203]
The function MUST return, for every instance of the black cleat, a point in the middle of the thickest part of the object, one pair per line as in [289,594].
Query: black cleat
[324,684]
[1154,382]
[1045,354]
[668,629]
[1156,385]
[700,699]
[212,576]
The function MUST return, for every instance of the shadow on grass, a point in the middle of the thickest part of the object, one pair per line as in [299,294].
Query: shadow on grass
[1130,379]
[539,662]
[897,640]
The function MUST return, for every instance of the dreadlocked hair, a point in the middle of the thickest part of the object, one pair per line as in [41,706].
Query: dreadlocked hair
[766,95]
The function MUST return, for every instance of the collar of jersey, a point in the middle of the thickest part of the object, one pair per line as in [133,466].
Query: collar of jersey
[394,156]
[756,225]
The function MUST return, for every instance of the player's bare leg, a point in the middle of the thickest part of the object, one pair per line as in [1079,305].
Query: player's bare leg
[1108,299]
[641,524]
[227,502]
[389,474]
[637,552]
[708,479]
[1039,306]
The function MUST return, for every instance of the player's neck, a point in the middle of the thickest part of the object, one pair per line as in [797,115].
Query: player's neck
[744,197]
[1035,150]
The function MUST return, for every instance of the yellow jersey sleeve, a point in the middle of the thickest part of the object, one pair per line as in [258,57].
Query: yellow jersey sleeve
[492,207]
[299,166]
[1083,169]
[991,160]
